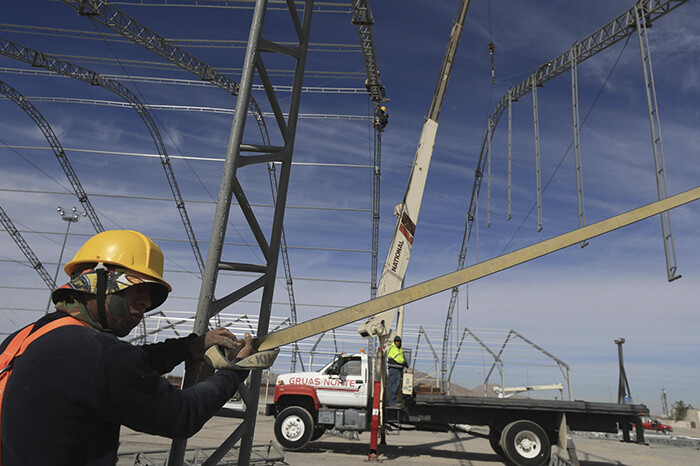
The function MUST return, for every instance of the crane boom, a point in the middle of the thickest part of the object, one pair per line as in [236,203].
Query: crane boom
[468,274]
[407,212]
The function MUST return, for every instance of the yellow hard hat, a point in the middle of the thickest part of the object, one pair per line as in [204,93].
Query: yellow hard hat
[124,248]
[383,109]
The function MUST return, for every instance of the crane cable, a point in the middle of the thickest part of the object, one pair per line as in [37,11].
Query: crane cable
[492,46]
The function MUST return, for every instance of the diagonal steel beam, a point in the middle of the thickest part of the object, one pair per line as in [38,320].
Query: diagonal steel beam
[470,274]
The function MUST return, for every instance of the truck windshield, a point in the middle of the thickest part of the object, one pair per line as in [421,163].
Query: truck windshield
[345,366]
[351,367]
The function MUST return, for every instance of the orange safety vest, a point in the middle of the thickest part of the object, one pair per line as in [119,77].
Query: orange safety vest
[20,343]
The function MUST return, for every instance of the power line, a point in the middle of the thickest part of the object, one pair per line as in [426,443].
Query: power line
[190,82]
[227,243]
[319,7]
[192,43]
[184,108]
[199,201]
[170,271]
[156,65]
[187,157]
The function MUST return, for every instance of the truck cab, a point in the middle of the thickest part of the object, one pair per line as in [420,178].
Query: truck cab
[652,423]
[342,382]
[308,403]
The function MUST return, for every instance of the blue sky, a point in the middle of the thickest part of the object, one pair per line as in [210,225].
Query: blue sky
[573,303]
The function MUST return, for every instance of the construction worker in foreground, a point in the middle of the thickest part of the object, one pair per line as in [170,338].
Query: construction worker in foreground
[396,363]
[72,388]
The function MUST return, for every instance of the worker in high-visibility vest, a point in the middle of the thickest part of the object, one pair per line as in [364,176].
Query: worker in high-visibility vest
[76,382]
[396,363]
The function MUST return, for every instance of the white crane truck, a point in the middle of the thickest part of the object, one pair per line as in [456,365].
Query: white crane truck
[521,430]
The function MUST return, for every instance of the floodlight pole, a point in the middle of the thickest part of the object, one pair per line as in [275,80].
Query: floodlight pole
[70,217]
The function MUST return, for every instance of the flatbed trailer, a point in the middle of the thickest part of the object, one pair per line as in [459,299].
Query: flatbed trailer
[520,430]
[496,413]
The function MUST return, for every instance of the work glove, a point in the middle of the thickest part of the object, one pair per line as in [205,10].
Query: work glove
[221,357]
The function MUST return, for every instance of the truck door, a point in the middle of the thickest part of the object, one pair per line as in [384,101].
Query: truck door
[344,383]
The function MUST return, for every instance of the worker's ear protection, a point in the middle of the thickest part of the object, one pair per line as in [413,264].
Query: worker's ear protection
[101,294]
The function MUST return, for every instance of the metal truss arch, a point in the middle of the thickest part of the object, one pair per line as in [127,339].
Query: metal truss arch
[24,247]
[130,28]
[498,360]
[612,32]
[39,59]
[57,149]
[608,35]
[363,20]
[273,5]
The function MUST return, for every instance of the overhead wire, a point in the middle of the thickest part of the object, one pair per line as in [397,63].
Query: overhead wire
[146,64]
[181,108]
[308,279]
[66,189]
[190,82]
[36,167]
[229,243]
[194,43]
[342,7]
[194,201]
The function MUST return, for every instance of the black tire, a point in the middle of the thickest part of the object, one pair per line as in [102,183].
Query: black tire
[494,441]
[294,427]
[318,432]
[524,443]
[665,431]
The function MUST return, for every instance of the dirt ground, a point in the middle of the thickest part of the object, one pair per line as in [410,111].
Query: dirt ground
[404,448]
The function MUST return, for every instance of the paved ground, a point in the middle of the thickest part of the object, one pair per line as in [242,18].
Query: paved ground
[406,448]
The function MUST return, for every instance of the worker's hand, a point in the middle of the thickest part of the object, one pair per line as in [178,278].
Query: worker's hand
[248,348]
[220,336]
[221,357]
[405,364]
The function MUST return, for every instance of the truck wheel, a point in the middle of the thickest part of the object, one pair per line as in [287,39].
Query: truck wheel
[318,432]
[494,439]
[294,427]
[525,444]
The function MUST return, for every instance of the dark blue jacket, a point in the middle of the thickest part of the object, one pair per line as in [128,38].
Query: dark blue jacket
[72,388]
